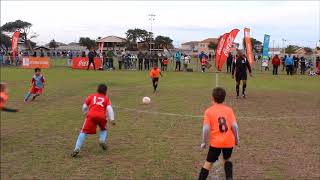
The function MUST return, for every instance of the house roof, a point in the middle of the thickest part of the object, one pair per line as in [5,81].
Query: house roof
[112,39]
[72,47]
[208,40]
[190,43]
[41,47]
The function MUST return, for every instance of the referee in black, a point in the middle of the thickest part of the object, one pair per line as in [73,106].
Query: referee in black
[239,71]
[91,56]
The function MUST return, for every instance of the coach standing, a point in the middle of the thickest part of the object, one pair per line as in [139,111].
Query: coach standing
[91,56]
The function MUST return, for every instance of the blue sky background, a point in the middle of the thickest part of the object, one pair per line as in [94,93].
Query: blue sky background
[297,22]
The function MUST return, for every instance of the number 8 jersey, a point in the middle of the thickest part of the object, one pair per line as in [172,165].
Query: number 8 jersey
[97,104]
[220,119]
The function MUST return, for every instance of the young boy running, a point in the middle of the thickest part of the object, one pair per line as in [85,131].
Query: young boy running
[154,74]
[95,108]
[4,98]
[37,85]
[220,127]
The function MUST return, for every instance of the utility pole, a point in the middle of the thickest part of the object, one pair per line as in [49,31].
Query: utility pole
[151,19]
[273,48]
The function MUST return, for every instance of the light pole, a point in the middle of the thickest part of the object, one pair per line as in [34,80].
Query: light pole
[151,19]
[284,47]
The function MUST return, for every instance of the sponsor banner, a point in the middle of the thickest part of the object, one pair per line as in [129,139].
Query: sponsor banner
[14,43]
[227,47]
[36,62]
[82,63]
[265,51]
[248,46]
[219,47]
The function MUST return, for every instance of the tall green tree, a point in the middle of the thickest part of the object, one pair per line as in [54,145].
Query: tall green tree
[25,30]
[164,42]
[138,35]
[256,45]
[290,49]
[87,42]
[53,44]
[213,45]
[5,42]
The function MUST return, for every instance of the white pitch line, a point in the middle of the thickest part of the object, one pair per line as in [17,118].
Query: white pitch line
[201,116]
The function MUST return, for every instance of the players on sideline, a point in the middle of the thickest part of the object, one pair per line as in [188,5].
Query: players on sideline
[239,71]
[37,82]
[4,98]
[220,130]
[97,108]
[154,74]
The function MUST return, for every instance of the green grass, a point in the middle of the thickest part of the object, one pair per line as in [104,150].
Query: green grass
[279,126]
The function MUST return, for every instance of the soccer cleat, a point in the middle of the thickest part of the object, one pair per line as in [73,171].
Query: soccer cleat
[75,153]
[103,146]
[244,96]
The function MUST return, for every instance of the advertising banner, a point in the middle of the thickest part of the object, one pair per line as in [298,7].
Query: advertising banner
[82,63]
[36,62]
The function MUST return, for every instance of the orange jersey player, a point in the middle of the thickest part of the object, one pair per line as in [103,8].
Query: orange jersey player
[96,107]
[37,85]
[155,73]
[4,98]
[220,130]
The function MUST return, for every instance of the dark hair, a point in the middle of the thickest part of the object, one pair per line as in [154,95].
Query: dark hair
[219,94]
[37,70]
[102,89]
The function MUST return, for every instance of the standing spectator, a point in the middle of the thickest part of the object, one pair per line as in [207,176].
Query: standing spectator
[165,63]
[91,56]
[1,57]
[186,62]
[41,53]
[121,59]
[296,63]
[289,64]
[202,56]
[283,62]
[276,64]
[147,57]
[302,65]
[104,61]
[140,60]
[318,61]
[83,54]
[110,59]
[70,56]
[178,58]
[155,59]
[229,62]
[210,56]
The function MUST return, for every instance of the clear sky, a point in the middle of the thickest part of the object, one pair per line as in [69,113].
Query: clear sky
[297,22]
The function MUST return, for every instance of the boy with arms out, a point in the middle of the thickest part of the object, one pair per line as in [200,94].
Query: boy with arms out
[37,85]
[96,108]
[220,127]
[154,74]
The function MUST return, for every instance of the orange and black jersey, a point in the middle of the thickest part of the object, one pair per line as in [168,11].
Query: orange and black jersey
[240,66]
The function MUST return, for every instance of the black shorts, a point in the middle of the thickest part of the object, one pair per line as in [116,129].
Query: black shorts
[155,79]
[214,153]
[240,77]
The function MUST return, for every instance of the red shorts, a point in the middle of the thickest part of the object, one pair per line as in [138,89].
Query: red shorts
[35,90]
[90,125]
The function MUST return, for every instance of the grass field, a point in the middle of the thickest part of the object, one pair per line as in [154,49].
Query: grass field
[278,123]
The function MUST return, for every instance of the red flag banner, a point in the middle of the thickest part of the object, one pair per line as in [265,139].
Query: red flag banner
[248,46]
[219,47]
[14,43]
[227,47]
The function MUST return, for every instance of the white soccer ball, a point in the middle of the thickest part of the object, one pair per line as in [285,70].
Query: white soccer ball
[146,100]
